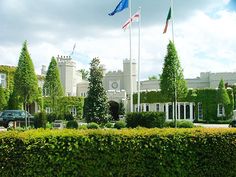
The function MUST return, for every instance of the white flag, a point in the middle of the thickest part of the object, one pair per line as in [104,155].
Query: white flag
[135,17]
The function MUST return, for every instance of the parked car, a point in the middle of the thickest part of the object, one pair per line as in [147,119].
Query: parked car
[8,117]
[232,123]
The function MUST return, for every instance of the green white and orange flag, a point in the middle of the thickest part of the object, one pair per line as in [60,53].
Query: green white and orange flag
[167,20]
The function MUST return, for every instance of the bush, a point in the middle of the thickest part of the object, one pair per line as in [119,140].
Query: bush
[82,127]
[40,120]
[68,117]
[180,124]
[72,124]
[51,117]
[127,152]
[120,124]
[93,125]
[109,125]
[145,119]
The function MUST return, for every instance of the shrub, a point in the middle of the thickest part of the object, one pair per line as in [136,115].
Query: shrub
[145,119]
[109,125]
[51,117]
[40,120]
[120,124]
[127,152]
[82,127]
[180,124]
[72,124]
[68,117]
[93,125]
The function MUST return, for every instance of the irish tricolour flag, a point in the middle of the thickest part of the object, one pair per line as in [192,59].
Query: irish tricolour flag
[135,17]
[167,20]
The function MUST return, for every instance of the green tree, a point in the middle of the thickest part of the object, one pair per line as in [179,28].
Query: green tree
[152,77]
[52,86]
[3,101]
[172,83]
[84,73]
[25,79]
[96,105]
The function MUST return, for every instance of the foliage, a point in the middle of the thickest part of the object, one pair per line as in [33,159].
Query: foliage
[207,97]
[120,124]
[40,120]
[180,124]
[9,71]
[96,106]
[85,74]
[92,125]
[3,101]
[121,109]
[172,77]
[72,124]
[135,152]
[25,80]
[145,119]
[52,117]
[52,86]
[68,117]
[109,125]
[65,104]
[152,78]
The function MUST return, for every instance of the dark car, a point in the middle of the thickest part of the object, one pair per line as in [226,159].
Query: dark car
[232,123]
[8,117]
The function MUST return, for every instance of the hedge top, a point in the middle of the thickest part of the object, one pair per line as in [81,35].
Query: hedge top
[138,132]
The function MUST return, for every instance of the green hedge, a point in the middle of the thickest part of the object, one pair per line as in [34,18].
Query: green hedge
[145,119]
[135,152]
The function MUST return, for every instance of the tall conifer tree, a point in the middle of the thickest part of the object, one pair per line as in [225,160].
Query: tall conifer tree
[25,79]
[52,86]
[172,83]
[96,104]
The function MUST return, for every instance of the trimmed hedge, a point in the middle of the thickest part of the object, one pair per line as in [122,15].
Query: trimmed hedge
[142,152]
[145,119]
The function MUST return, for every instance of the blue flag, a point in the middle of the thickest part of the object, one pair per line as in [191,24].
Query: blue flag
[121,6]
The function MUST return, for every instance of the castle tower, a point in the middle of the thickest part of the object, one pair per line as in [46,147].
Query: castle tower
[68,74]
[126,76]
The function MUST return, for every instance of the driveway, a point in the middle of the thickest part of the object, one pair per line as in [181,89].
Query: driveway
[212,125]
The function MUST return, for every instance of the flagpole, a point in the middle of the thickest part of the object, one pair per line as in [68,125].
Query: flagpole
[175,91]
[130,52]
[139,46]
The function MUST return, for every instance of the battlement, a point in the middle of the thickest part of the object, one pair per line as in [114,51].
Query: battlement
[112,73]
[66,60]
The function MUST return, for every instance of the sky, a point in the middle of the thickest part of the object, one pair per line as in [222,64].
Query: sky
[204,33]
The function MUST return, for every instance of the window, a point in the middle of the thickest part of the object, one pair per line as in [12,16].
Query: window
[170,109]
[181,111]
[187,112]
[3,80]
[48,110]
[147,107]
[73,111]
[221,110]
[158,107]
[200,112]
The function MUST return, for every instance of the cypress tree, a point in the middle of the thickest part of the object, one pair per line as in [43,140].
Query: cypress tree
[223,96]
[52,86]
[25,79]
[172,78]
[96,104]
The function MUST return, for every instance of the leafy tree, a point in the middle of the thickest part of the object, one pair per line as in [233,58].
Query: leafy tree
[3,101]
[223,97]
[25,79]
[84,73]
[52,86]
[96,105]
[152,77]
[172,83]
